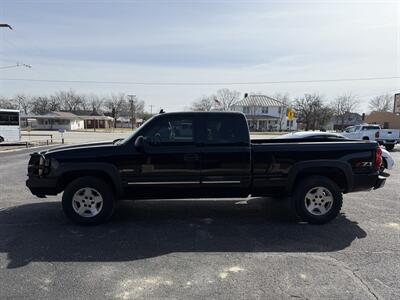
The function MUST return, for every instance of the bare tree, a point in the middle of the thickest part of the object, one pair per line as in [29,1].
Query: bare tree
[70,100]
[342,106]
[381,103]
[95,102]
[40,105]
[24,103]
[308,109]
[324,115]
[54,103]
[6,103]
[205,103]
[226,98]
[116,104]
[138,107]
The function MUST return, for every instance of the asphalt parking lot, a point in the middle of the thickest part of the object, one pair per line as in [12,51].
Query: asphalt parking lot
[197,249]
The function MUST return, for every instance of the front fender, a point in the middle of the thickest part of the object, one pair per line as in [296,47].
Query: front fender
[83,169]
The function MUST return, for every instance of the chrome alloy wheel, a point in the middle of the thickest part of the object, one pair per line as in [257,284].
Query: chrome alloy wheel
[318,201]
[87,202]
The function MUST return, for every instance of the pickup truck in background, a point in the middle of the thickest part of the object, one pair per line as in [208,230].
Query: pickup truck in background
[373,132]
[204,155]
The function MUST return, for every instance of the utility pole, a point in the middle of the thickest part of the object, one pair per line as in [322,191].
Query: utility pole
[131,97]
[151,109]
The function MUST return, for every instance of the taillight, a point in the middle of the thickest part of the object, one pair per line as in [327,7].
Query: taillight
[378,158]
[377,134]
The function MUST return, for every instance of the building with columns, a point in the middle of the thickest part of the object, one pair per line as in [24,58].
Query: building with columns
[264,113]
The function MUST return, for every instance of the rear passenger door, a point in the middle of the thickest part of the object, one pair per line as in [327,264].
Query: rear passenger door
[225,155]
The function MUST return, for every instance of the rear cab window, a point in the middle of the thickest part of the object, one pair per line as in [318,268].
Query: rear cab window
[224,130]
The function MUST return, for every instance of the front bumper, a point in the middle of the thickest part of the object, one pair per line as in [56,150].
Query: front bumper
[40,186]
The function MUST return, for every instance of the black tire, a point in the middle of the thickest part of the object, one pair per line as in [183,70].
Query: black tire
[383,166]
[300,203]
[97,185]
[389,147]
[365,138]
[1,139]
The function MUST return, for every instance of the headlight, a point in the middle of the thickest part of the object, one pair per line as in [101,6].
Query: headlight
[45,164]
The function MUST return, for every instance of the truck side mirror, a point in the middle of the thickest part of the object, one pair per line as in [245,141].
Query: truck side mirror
[140,143]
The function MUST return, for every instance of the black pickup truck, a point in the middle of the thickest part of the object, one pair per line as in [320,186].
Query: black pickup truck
[203,155]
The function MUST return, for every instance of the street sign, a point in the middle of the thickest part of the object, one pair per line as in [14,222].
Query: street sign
[290,114]
[396,108]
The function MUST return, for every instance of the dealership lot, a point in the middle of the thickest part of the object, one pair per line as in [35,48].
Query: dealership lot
[180,249]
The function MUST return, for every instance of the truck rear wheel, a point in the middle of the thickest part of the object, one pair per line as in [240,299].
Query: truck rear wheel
[317,200]
[389,147]
[88,200]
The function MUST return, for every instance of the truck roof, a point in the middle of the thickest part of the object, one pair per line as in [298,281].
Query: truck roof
[202,113]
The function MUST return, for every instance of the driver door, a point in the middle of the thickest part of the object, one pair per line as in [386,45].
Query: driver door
[169,165]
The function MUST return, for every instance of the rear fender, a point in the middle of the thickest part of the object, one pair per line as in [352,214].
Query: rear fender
[314,165]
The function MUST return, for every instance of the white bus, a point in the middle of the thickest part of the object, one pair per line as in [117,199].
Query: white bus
[10,130]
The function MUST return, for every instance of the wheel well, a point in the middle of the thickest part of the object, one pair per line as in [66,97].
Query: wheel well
[68,177]
[334,174]
[365,138]
[384,162]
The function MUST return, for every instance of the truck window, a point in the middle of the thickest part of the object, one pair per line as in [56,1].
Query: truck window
[225,130]
[373,127]
[170,132]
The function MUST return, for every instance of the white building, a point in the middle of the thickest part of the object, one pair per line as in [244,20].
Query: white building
[264,113]
[54,121]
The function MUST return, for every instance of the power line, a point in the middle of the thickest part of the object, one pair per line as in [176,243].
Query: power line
[201,83]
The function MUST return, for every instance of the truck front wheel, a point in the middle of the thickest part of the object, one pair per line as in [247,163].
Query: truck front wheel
[317,200]
[88,200]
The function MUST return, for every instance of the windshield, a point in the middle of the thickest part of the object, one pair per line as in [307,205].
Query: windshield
[134,133]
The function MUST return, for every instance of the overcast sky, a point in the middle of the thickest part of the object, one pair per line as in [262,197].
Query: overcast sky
[201,41]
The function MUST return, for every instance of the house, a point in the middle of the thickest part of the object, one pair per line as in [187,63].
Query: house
[387,120]
[53,121]
[348,119]
[264,113]
[62,120]
[93,120]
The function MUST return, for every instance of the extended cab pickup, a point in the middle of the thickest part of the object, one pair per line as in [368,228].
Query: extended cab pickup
[200,155]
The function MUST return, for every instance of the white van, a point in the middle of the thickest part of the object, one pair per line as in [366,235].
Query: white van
[10,130]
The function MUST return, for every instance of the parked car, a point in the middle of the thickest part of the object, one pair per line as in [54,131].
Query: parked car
[386,137]
[387,159]
[213,158]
